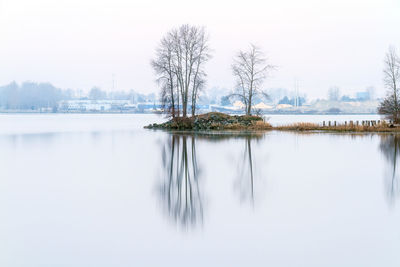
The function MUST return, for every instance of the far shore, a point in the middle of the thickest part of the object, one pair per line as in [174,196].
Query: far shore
[25,111]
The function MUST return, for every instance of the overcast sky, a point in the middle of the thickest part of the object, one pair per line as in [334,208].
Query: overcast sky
[81,43]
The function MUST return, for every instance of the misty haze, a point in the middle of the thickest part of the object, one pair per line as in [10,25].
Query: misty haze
[199,133]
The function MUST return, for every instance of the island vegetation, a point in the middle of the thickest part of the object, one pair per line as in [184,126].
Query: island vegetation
[179,66]
[214,121]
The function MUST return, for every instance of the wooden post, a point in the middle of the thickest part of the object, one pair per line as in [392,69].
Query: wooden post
[329,123]
[345,123]
[334,123]
[323,124]
[357,123]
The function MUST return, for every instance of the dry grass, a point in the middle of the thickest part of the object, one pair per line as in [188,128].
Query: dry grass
[300,126]
[382,127]
[260,125]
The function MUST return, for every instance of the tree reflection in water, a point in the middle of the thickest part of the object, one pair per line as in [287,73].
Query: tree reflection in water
[390,147]
[247,173]
[180,191]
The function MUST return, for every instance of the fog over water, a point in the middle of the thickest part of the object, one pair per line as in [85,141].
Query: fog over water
[99,190]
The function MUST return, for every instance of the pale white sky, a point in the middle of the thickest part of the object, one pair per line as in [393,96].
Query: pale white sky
[79,44]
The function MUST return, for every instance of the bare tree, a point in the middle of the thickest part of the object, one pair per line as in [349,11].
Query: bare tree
[179,66]
[390,106]
[163,65]
[199,78]
[250,69]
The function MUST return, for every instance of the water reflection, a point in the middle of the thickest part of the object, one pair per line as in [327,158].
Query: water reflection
[390,147]
[180,189]
[245,179]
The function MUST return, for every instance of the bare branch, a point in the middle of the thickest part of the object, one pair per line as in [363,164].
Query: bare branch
[390,106]
[179,63]
[250,69]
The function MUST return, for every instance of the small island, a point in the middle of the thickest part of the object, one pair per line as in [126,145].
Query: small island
[215,121]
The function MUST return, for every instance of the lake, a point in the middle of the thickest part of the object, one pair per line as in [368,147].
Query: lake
[99,190]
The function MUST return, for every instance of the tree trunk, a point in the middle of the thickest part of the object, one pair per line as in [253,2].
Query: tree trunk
[249,106]
[193,107]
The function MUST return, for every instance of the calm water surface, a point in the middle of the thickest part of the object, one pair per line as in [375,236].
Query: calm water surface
[99,190]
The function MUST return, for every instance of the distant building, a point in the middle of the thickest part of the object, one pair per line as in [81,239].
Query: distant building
[284,106]
[363,96]
[95,105]
[263,106]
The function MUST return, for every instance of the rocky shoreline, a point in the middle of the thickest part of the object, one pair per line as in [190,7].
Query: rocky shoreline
[214,121]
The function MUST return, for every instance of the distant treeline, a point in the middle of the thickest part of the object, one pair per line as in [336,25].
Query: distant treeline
[30,95]
[34,96]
